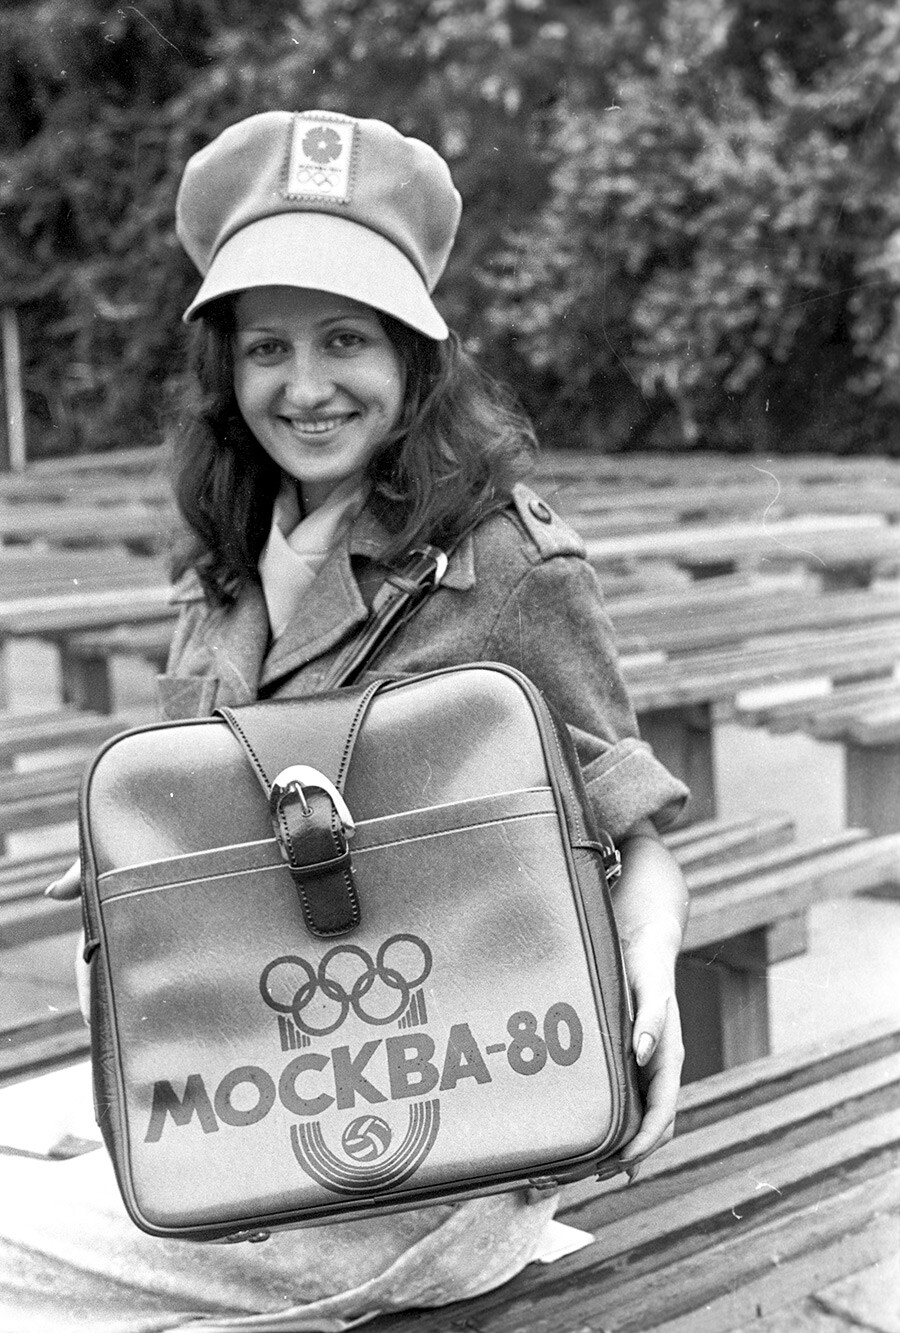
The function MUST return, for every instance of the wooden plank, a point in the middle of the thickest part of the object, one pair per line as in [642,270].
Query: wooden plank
[37,918]
[130,606]
[43,1042]
[715,844]
[94,524]
[658,683]
[721,912]
[735,495]
[748,1086]
[800,540]
[29,733]
[799,714]
[751,617]
[149,640]
[26,877]
[30,800]
[708,1279]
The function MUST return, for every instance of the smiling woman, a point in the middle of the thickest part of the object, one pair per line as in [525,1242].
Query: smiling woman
[318,383]
[332,425]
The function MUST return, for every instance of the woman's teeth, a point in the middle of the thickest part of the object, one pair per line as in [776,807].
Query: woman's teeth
[320,427]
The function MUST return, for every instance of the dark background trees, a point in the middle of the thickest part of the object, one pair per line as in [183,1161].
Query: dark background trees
[682,221]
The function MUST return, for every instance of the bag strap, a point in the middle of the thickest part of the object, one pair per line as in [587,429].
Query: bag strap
[309,815]
[396,599]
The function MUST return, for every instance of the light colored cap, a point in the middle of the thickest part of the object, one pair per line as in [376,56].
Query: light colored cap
[314,199]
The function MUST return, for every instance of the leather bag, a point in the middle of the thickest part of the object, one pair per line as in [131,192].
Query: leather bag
[351,953]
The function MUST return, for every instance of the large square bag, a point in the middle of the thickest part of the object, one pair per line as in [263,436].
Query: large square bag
[351,953]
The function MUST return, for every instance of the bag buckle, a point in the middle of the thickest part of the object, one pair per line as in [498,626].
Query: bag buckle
[608,852]
[295,779]
[313,837]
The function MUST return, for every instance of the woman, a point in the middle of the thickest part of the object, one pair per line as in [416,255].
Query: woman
[334,424]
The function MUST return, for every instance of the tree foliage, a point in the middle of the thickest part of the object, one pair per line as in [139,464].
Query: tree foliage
[681,222]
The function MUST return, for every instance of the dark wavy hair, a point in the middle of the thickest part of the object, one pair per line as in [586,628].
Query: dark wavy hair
[458,448]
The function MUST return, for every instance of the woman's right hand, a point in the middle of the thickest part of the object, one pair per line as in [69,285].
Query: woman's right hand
[67,887]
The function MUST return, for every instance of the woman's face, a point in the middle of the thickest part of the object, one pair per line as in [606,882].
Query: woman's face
[318,382]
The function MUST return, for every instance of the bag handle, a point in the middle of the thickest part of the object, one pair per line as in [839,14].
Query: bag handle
[311,821]
[310,818]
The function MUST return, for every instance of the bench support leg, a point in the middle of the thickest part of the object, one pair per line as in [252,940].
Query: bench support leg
[682,739]
[873,787]
[724,1015]
[85,681]
[4,675]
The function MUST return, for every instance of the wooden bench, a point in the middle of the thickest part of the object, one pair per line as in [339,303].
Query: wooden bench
[88,657]
[689,620]
[750,884]
[27,572]
[679,697]
[138,526]
[744,498]
[864,718]
[784,1176]
[593,468]
[699,657]
[49,796]
[82,682]
[840,551]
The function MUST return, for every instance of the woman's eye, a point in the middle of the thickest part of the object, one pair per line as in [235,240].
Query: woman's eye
[267,349]
[348,340]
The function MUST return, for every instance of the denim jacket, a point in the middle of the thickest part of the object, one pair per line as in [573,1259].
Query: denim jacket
[517,590]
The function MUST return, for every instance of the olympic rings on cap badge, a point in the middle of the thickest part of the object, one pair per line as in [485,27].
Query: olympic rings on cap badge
[317,981]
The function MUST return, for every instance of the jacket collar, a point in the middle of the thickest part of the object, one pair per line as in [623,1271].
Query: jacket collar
[334,606]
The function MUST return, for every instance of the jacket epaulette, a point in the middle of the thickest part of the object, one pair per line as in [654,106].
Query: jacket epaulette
[550,534]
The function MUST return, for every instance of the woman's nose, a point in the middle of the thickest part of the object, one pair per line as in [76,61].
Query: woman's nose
[308,381]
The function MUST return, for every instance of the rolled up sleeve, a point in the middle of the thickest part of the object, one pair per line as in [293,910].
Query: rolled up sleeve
[553,626]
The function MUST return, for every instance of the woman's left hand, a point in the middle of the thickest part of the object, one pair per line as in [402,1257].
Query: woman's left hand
[657,1046]
[650,903]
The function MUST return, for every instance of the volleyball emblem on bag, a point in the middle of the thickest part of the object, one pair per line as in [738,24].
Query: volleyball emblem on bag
[366,1138]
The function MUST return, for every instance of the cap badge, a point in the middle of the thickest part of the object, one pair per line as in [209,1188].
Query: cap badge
[320,158]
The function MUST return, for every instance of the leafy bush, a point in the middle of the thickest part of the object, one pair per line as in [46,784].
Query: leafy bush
[680,224]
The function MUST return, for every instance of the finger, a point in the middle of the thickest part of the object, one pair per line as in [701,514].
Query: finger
[651,1136]
[83,982]
[649,1023]
[68,885]
[658,1123]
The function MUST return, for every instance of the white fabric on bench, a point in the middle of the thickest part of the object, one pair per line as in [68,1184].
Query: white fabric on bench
[71,1259]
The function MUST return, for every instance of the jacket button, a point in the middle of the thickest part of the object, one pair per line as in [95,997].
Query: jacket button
[540,511]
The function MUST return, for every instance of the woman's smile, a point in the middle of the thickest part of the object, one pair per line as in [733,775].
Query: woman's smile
[318,382]
[318,426]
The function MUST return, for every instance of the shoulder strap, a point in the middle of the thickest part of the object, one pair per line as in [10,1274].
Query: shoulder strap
[401,594]
[395,601]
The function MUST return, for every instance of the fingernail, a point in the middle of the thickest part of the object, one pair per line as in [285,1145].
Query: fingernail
[48,892]
[632,1172]
[644,1048]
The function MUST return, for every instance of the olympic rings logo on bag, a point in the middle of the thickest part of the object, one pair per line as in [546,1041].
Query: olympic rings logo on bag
[347,994]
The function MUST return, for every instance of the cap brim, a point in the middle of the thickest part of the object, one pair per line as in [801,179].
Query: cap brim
[327,253]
